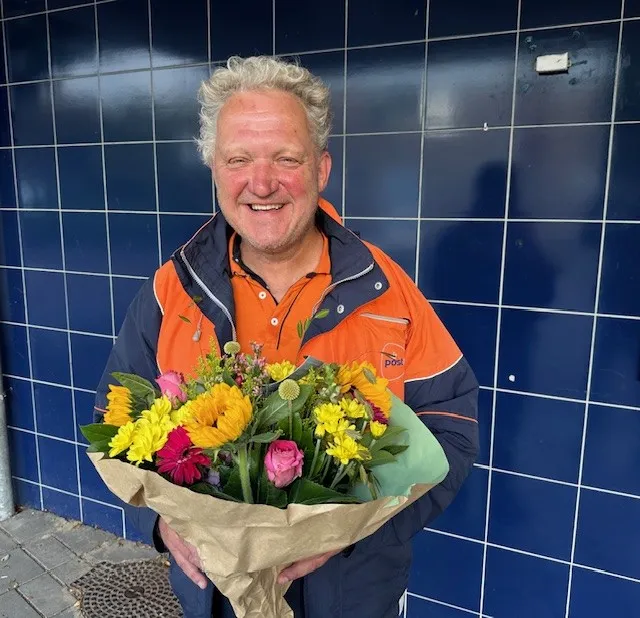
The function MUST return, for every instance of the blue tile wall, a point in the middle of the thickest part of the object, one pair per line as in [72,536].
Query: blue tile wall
[511,198]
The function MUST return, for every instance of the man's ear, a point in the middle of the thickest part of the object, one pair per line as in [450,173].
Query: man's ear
[324,170]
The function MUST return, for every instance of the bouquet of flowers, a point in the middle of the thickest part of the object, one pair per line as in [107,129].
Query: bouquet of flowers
[249,461]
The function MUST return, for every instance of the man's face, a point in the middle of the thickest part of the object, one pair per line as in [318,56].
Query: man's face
[267,171]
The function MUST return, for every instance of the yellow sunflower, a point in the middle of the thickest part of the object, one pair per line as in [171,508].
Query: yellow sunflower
[119,407]
[218,416]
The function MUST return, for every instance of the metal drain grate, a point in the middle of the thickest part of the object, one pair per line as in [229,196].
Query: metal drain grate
[133,589]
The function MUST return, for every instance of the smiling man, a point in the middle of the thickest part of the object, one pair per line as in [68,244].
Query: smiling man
[274,256]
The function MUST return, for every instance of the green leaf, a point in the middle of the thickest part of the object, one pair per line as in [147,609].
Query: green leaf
[380,458]
[139,387]
[276,409]
[197,299]
[265,438]
[297,427]
[307,444]
[184,319]
[233,486]
[396,449]
[98,432]
[369,375]
[323,313]
[304,491]
[226,377]
[206,488]
[269,494]
[300,331]
[390,436]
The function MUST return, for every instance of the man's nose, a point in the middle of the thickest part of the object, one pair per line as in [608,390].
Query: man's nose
[263,180]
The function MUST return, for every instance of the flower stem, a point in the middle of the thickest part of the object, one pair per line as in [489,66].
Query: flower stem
[245,481]
[315,459]
[290,420]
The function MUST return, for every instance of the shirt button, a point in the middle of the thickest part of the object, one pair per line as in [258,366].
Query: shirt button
[262,295]
[378,285]
[274,321]
[340,308]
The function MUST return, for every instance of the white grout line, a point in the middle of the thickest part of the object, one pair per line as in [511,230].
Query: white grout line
[44,382]
[63,252]
[58,330]
[73,272]
[594,328]
[21,248]
[499,317]
[273,27]
[64,8]
[449,605]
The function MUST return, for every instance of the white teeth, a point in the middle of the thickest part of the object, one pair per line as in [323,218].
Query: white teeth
[266,206]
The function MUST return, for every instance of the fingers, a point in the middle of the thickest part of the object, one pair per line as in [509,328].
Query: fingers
[184,553]
[303,567]
[190,570]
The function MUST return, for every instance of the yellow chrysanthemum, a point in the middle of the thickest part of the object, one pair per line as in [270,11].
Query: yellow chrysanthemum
[119,406]
[353,408]
[123,439]
[327,416]
[377,429]
[280,371]
[147,440]
[178,416]
[218,416]
[160,414]
[346,449]
[353,376]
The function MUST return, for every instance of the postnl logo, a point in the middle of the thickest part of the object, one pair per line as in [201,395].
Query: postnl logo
[392,361]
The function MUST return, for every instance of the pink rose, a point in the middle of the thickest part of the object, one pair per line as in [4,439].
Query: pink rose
[171,384]
[283,462]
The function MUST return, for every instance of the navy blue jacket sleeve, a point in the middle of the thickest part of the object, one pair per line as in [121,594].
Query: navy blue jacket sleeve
[134,352]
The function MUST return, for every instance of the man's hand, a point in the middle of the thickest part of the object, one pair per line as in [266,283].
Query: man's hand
[304,567]
[184,554]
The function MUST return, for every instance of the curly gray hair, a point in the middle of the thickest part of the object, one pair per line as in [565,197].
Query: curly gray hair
[262,73]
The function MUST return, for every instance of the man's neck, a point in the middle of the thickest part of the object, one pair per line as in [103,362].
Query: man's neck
[280,271]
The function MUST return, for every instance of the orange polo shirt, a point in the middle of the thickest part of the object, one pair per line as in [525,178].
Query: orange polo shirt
[260,318]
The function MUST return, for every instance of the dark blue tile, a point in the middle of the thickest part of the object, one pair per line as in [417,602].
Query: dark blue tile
[73,42]
[485,416]
[540,13]
[175,230]
[132,534]
[61,4]
[628,91]
[32,116]
[385,88]
[36,174]
[617,551]
[474,330]
[232,34]
[465,173]
[329,67]
[9,239]
[559,172]
[130,177]
[302,27]
[11,295]
[81,185]
[184,182]
[126,107]
[612,450]
[333,190]
[5,129]
[105,517]
[396,238]
[460,260]
[124,291]
[521,518]
[371,23]
[466,515]
[447,569]
[423,608]
[45,298]
[89,359]
[179,37]
[54,411]
[41,239]
[19,404]
[460,96]
[89,304]
[524,586]
[50,356]
[624,191]
[77,109]
[620,291]
[382,175]
[13,350]
[616,372]
[536,436]
[459,17]
[123,30]
[632,8]
[7,188]
[599,594]
[13,8]
[27,54]
[176,104]
[84,412]
[58,464]
[3,72]
[134,244]
[92,484]
[547,99]
[22,455]
[61,504]
[552,265]
[85,242]
[544,352]
[26,493]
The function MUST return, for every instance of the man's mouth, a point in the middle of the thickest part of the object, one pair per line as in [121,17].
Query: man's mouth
[265,207]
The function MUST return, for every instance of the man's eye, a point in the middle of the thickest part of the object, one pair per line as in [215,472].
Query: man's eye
[288,160]
[236,161]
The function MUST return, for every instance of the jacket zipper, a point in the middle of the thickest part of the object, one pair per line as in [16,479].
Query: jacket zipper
[210,294]
[333,286]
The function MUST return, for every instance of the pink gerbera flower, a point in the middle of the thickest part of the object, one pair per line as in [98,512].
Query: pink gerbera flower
[181,459]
